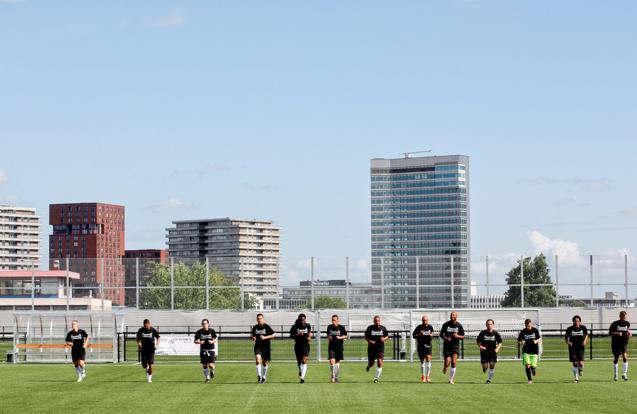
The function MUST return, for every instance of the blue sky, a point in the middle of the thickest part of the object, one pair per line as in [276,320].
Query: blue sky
[273,109]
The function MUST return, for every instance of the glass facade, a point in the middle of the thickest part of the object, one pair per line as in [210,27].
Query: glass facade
[420,231]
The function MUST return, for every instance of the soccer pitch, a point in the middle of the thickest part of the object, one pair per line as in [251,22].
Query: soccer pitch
[179,387]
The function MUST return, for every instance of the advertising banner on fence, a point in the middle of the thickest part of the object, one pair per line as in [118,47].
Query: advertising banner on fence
[179,345]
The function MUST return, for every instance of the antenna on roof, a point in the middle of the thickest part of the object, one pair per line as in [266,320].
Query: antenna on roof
[408,154]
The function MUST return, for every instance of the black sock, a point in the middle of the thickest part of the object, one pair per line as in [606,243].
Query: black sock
[528,373]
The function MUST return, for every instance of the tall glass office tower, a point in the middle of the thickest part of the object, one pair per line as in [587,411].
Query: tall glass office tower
[420,231]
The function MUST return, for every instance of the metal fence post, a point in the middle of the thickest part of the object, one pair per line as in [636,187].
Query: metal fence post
[347,304]
[317,328]
[557,283]
[488,287]
[453,293]
[312,282]
[522,281]
[591,280]
[626,279]
[208,285]
[382,283]
[417,282]
[32,287]
[137,283]
[172,283]
[68,286]
[102,284]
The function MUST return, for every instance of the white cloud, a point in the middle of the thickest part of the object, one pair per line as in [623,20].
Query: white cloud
[567,251]
[172,19]
[4,178]
[12,1]
[10,199]
[172,204]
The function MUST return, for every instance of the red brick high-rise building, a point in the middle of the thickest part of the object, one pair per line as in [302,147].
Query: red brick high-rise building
[91,236]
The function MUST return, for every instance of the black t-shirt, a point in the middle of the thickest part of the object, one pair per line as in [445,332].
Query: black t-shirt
[422,334]
[529,336]
[332,332]
[206,336]
[264,330]
[576,336]
[147,338]
[619,326]
[77,337]
[300,332]
[489,340]
[447,331]
[375,333]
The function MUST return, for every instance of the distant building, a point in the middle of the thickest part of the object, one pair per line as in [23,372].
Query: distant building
[420,230]
[19,238]
[91,237]
[486,301]
[610,300]
[42,290]
[246,250]
[361,295]
[138,266]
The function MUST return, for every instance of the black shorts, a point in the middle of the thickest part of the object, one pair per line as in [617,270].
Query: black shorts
[575,354]
[374,353]
[449,350]
[264,351]
[488,356]
[148,357]
[619,349]
[207,356]
[301,351]
[424,351]
[336,354]
[78,354]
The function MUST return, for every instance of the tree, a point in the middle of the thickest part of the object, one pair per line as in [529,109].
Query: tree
[536,271]
[223,291]
[328,302]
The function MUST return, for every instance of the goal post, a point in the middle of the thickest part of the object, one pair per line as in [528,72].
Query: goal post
[40,337]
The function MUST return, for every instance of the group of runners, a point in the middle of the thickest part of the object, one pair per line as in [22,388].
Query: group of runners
[451,333]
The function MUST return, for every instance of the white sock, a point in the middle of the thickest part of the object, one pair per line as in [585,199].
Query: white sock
[78,371]
[333,370]
[625,366]
[259,370]
[615,369]
[265,371]
[423,368]
[303,370]
[576,372]
[150,376]
[491,374]
[428,368]
[452,373]
[205,373]
[338,369]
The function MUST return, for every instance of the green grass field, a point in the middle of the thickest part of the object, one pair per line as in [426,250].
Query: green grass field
[179,387]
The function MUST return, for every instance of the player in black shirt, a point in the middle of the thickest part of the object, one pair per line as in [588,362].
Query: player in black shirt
[148,341]
[336,334]
[530,338]
[301,332]
[261,335]
[77,339]
[206,338]
[620,334]
[423,335]
[376,335]
[576,337]
[451,332]
[489,341]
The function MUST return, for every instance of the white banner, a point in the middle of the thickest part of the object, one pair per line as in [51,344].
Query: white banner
[179,345]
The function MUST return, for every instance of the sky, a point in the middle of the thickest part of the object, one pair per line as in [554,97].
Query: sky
[273,110]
